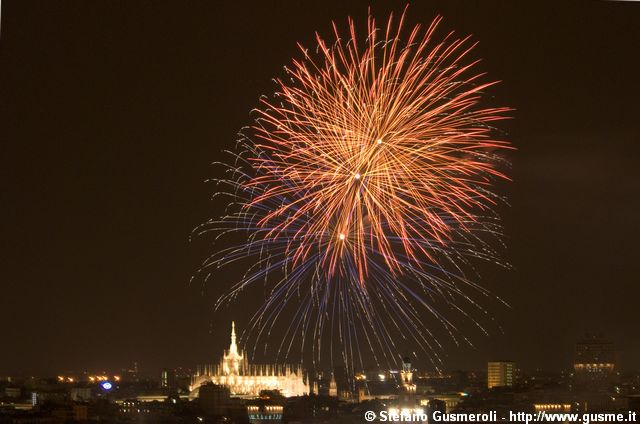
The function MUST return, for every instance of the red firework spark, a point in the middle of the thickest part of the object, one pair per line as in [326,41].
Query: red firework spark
[377,148]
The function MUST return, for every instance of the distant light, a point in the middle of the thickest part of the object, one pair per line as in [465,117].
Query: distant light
[106,385]
[381,377]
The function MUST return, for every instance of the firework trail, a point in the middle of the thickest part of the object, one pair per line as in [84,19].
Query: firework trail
[362,192]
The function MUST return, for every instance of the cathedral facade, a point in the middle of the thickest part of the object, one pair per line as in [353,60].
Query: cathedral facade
[244,379]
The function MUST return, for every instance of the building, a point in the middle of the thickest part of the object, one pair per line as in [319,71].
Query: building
[500,374]
[333,386]
[213,399]
[447,400]
[12,392]
[243,379]
[130,374]
[594,362]
[552,407]
[81,394]
[406,376]
[167,378]
[262,414]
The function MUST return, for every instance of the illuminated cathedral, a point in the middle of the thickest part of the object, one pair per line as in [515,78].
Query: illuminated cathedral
[243,379]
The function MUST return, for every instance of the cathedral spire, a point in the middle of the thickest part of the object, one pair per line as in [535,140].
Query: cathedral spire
[233,347]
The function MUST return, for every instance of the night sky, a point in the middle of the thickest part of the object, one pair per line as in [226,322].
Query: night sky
[113,111]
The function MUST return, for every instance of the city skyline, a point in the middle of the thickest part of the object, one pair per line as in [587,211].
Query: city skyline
[113,119]
[97,374]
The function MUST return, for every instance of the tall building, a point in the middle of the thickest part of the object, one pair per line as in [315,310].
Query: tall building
[500,374]
[167,378]
[594,362]
[406,375]
[130,374]
[333,386]
[243,379]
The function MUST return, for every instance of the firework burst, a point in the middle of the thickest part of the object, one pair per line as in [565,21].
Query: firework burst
[363,191]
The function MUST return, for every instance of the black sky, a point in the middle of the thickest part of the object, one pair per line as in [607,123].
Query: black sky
[112,112]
